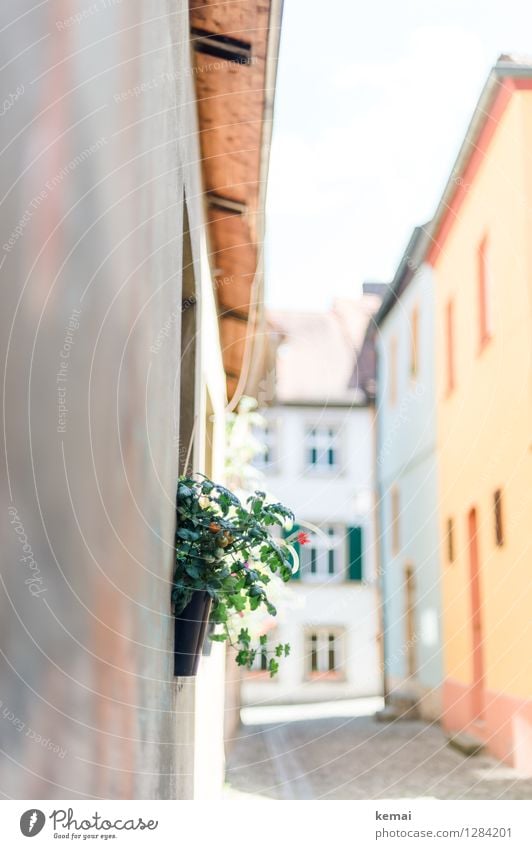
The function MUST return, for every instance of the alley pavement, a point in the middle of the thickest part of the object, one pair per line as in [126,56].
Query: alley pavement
[296,753]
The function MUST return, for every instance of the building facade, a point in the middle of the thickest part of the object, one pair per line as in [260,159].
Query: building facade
[319,460]
[482,260]
[406,480]
[122,256]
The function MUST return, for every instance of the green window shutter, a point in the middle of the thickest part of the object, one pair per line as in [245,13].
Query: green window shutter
[296,546]
[355,554]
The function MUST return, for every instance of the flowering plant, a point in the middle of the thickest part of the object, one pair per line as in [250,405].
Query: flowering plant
[225,548]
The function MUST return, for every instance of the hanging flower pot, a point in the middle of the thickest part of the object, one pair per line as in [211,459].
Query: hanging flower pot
[225,557]
[190,629]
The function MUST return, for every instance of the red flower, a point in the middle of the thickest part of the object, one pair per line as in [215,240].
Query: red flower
[303,538]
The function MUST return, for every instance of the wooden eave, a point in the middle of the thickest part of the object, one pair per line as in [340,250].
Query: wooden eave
[234,112]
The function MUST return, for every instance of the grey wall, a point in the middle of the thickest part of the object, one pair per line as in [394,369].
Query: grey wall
[406,460]
[92,174]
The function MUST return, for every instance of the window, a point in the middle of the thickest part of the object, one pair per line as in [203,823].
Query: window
[321,448]
[410,621]
[497,512]
[268,437]
[321,559]
[450,540]
[414,344]
[395,520]
[393,372]
[324,652]
[449,327]
[260,662]
[484,294]
[260,668]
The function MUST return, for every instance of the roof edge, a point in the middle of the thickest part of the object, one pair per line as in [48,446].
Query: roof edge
[411,260]
[501,83]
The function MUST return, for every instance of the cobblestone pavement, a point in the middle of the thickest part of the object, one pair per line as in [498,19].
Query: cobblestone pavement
[359,758]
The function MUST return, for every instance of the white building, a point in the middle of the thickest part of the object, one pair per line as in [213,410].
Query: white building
[318,460]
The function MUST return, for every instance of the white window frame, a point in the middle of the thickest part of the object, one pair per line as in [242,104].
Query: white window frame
[260,667]
[316,555]
[318,642]
[322,438]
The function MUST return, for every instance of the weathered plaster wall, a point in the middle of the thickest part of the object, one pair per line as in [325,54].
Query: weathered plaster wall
[95,258]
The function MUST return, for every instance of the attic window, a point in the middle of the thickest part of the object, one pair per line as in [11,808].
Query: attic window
[221,46]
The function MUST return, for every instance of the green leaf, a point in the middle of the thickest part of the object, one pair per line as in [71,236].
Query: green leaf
[185,533]
[219,613]
[238,602]
[273,667]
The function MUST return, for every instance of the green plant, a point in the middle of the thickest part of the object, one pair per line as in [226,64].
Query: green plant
[225,547]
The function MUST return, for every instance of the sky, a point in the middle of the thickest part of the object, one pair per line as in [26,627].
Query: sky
[373,101]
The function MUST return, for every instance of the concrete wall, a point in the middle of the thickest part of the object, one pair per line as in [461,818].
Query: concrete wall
[341,497]
[406,461]
[93,172]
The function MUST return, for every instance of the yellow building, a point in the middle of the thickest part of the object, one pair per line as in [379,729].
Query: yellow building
[482,259]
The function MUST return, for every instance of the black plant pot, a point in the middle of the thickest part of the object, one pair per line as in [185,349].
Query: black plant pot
[190,628]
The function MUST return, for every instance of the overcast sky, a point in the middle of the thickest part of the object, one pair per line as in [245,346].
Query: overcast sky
[373,101]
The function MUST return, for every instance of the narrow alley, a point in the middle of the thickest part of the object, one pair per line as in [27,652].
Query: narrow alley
[315,752]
